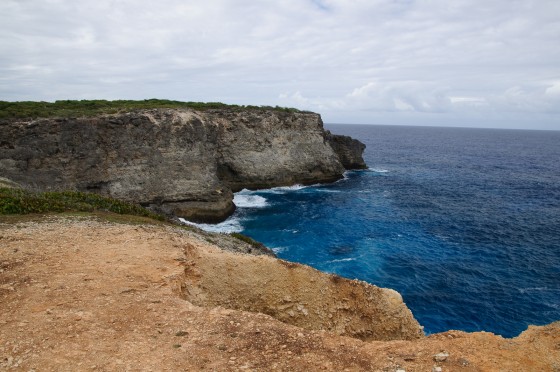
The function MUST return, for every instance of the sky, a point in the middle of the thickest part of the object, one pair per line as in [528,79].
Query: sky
[480,63]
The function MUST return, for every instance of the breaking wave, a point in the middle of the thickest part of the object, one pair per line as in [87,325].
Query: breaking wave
[244,199]
[230,225]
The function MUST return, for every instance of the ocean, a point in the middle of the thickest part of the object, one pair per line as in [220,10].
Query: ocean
[464,223]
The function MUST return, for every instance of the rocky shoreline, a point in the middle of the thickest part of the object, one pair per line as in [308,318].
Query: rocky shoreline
[180,162]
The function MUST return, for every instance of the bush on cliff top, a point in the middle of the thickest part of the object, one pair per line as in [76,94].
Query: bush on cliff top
[18,201]
[247,240]
[74,108]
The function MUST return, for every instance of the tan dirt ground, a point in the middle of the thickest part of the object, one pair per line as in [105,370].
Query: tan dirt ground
[78,294]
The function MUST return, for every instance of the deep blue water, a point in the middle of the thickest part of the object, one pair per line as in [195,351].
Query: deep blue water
[464,223]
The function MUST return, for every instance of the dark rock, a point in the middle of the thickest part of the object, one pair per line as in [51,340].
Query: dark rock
[348,150]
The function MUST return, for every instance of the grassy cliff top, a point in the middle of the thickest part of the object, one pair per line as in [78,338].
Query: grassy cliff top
[19,201]
[74,108]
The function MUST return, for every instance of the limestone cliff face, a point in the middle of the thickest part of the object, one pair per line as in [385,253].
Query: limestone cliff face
[158,158]
[258,150]
[180,162]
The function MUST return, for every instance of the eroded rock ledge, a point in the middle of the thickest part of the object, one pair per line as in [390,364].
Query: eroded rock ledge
[296,294]
[176,161]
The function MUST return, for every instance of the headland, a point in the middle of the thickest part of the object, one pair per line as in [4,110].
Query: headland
[97,290]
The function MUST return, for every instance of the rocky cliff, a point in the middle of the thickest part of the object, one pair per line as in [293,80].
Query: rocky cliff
[177,161]
[348,149]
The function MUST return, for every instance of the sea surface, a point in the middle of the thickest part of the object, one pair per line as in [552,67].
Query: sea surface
[464,223]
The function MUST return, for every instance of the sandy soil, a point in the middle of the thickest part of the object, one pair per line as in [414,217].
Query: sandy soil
[79,294]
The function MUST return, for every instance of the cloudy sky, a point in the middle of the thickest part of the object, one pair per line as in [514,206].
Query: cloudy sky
[492,63]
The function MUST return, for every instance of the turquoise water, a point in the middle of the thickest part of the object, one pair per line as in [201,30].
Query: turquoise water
[464,223]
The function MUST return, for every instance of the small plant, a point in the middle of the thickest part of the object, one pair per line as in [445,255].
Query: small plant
[245,238]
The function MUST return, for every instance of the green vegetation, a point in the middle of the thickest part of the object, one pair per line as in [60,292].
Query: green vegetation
[247,240]
[88,108]
[18,201]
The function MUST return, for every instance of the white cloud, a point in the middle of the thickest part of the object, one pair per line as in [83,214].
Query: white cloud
[399,61]
[553,89]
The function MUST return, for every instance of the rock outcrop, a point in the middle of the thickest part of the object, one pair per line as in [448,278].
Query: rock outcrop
[296,294]
[348,149]
[177,161]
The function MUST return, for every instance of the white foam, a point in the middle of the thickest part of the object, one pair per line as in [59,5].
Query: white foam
[295,187]
[537,289]
[244,199]
[345,177]
[343,260]
[378,170]
[278,249]
[327,190]
[230,225]
[291,231]
[284,189]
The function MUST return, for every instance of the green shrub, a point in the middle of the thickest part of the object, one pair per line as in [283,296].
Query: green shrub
[18,201]
[86,108]
[247,240]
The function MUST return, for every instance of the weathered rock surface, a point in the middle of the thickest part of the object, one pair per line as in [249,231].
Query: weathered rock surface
[348,149]
[180,162]
[260,150]
[82,295]
[9,184]
[297,294]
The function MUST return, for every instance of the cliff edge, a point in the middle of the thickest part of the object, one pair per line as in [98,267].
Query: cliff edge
[82,294]
[180,162]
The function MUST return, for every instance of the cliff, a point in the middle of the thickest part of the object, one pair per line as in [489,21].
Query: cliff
[348,149]
[181,162]
[79,293]
[296,294]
